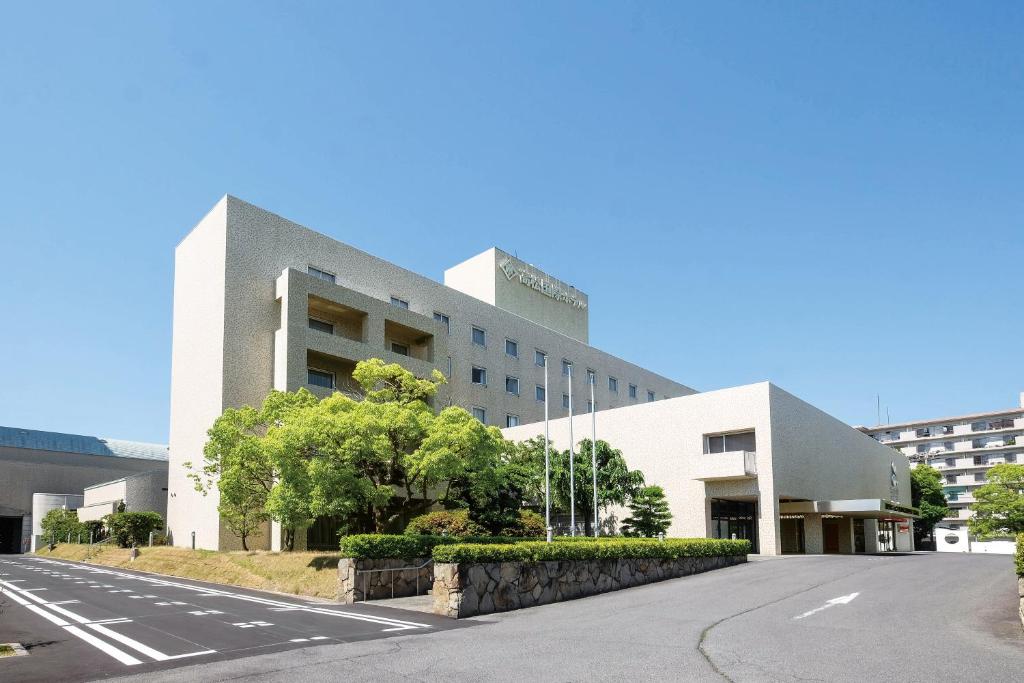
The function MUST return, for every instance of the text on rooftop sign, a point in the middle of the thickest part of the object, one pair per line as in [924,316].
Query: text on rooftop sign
[544,285]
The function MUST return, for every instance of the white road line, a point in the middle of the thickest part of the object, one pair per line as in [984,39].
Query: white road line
[841,600]
[119,655]
[130,642]
[46,615]
[384,621]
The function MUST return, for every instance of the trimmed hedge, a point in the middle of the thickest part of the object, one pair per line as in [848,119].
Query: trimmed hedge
[1020,555]
[611,549]
[381,546]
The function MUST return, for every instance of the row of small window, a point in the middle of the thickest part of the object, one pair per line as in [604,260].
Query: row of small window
[945,430]
[982,460]
[481,414]
[480,339]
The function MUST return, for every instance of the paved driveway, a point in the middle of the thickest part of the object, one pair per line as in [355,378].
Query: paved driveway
[82,622]
[918,617]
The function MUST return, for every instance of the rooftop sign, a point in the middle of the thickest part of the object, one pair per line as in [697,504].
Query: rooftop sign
[541,283]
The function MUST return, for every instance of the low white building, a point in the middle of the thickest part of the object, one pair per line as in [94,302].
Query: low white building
[756,462]
[143,492]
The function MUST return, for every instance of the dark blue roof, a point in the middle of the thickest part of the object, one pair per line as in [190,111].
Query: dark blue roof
[14,437]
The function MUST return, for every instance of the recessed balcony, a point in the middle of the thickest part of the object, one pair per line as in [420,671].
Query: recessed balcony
[731,465]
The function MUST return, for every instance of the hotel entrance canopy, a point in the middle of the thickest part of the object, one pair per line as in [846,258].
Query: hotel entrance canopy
[864,508]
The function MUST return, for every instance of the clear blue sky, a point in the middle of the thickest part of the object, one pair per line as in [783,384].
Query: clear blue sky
[825,195]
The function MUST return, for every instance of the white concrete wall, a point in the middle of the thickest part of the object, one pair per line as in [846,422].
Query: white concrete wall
[233,342]
[197,373]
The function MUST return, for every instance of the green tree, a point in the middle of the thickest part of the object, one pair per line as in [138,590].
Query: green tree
[58,524]
[616,483]
[133,528]
[927,496]
[245,472]
[999,504]
[650,515]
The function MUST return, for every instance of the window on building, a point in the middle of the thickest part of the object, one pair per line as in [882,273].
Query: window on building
[591,377]
[947,429]
[479,375]
[401,303]
[1010,457]
[590,406]
[979,426]
[321,326]
[539,393]
[947,445]
[511,420]
[322,274]
[950,462]
[512,385]
[512,348]
[950,478]
[632,391]
[320,378]
[539,358]
[480,414]
[449,366]
[479,336]
[922,448]
[726,443]
[565,401]
[922,432]
[613,384]
[566,367]
[444,320]
[979,460]
[400,349]
[650,396]
[979,476]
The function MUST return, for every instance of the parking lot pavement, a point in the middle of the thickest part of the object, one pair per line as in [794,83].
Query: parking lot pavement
[83,622]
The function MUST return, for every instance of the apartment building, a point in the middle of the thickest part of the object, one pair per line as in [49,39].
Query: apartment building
[262,303]
[963,448]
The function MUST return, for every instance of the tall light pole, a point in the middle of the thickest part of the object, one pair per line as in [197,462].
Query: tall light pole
[593,446]
[547,457]
[572,470]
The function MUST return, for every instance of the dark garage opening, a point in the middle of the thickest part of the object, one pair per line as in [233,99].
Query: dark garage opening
[10,535]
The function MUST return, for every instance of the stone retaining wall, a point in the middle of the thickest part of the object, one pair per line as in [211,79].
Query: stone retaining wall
[1020,593]
[378,585]
[465,590]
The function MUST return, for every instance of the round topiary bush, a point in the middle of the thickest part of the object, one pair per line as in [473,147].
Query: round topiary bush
[531,525]
[445,523]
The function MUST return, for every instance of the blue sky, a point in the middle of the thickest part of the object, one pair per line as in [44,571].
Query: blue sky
[827,196]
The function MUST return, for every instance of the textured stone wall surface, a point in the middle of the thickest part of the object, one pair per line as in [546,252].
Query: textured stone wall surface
[356,580]
[465,590]
[1020,592]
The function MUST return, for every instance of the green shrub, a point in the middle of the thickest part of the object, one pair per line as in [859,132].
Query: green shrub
[606,550]
[1020,555]
[445,523]
[531,525]
[59,523]
[133,528]
[379,546]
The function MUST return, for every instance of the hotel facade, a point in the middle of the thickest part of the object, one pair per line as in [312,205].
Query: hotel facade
[756,462]
[262,303]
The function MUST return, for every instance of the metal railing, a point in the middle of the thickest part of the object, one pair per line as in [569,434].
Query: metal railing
[392,570]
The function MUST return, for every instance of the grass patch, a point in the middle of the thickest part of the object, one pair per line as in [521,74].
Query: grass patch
[7,651]
[298,573]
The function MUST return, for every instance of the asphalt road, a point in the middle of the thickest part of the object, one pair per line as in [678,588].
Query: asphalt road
[82,622]
[917,617]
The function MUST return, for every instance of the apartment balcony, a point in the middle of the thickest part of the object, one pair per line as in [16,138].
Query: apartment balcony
[732,465]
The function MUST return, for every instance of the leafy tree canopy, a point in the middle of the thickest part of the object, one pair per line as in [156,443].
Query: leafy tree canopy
[650,515]
[926,494]
[999,504]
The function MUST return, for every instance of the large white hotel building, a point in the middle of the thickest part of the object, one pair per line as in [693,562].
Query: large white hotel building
[261,303]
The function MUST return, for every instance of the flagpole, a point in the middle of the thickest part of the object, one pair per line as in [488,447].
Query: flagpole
[593,446]
[572,471]
[547,457]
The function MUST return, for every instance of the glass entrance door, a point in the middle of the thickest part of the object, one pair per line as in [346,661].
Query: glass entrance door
[734,519]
